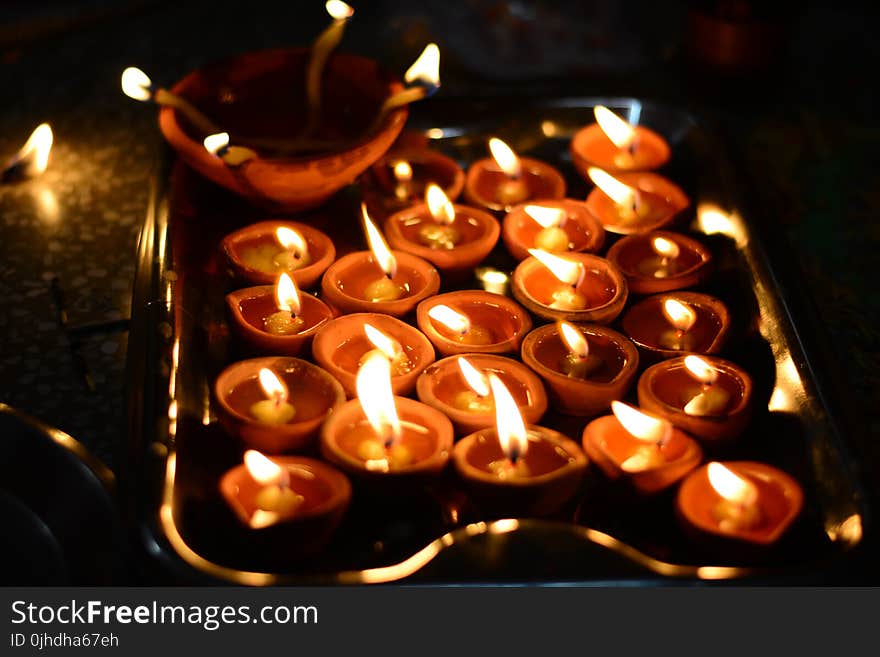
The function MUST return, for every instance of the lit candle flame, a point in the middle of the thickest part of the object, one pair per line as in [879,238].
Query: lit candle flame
[701,369]
[384,343]
[567,271]
[378,245]
[575,341]
[545,217]
[509,423]
[373,383]
[33,157]
[291,240]
[402,171]
[731,486]
[439,204]
[505,158]
[264,470]
[665,247]
[681,315]
[426,69]
[338,9]
[136,84]
[620,193]
[287,295]
[272,386]
[616,129]
[474,378]
[451,319]
[641,425]
[216,142]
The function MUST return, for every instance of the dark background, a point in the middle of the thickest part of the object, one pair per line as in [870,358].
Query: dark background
[797,105]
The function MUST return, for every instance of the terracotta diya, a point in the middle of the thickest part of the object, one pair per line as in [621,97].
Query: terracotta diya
[341,345]
[454,238]
[555,225]
[276,404]
[401,177]
[518,470]
[259,253]
[665,325]
[613,144]
[708,397]
[276,319]
[738,503]
[504,180]
[379,280]
[473,321]
[635,202]
[642,451]
[660,261]
[458,386]
[584,368]
[577,287]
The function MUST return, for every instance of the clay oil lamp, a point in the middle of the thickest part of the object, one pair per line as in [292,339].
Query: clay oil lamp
[643,452]
[276,404]
[578,287]
[401,178]
[511,469]
[613,144]
[379,280]
[458,386]
[584,368]
[383,439]
[743,507]
[342,344]
[276,319]
[551,225]
[259,253]
[660,261]
[665,325]
[473,321]
[504,180]
[635,202]
[454,238]
[708,397]
[296,499]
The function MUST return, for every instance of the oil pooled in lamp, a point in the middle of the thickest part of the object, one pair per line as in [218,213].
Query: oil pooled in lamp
[342,344]
[634,202]
[555,225]
[642,451]
[379,280]
[613,144]
[512,469]
[708,397]
[660,261]
[584,368]
[505,180]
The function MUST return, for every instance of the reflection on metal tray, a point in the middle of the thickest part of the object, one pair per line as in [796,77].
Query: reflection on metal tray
[179,343]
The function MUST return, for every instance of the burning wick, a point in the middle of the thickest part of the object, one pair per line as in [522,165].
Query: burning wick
[382,289]
[568,272]
[621,134]
[33,158]
[511,431]
[664,265]
[440,233]
[578,362]
[276,499]
[325,44]
[514,189]
[234,156]
[682,317]
[275,409]
[738,508]
[652,432]
[629,203]
[551,237]
[286,321]
[137,84]
[403,174]
[296,251]
[390,348]
[424,74]
[477,397]
[711,398]
[460,326]
[382,449]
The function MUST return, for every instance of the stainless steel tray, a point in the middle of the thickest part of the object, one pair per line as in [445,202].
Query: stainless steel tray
[179,342]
